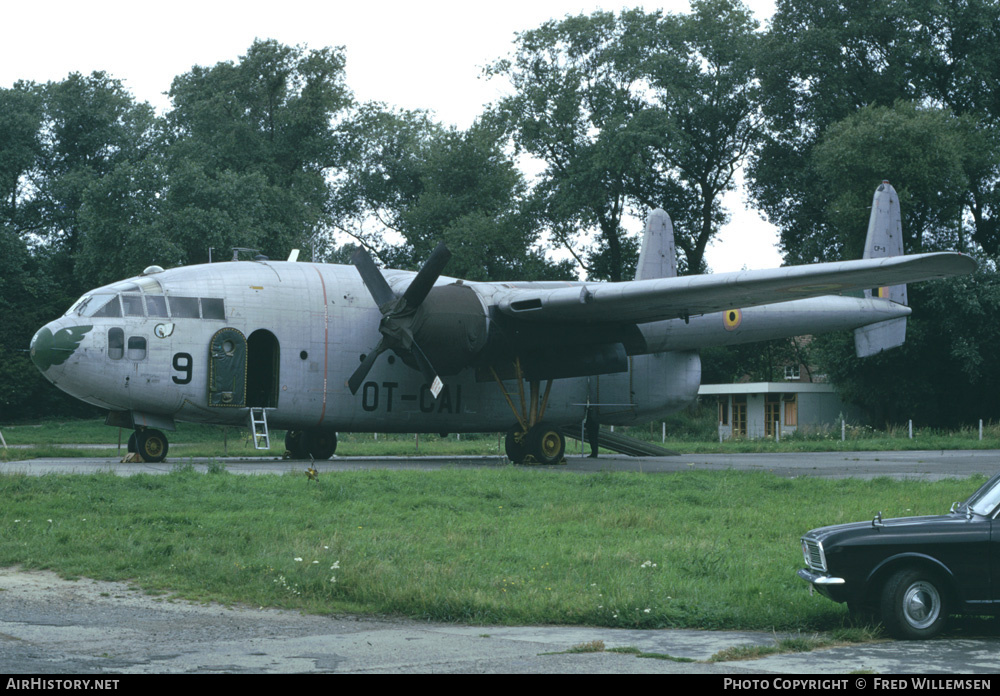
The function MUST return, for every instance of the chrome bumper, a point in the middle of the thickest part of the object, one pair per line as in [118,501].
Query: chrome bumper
[817,579]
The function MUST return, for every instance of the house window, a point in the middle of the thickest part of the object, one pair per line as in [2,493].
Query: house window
[791,409]
[793,373]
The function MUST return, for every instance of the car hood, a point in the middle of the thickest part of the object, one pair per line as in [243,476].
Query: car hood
[896,525]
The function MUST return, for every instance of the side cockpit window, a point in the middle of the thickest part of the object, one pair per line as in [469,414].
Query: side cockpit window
[116,343]
[184,307]
[132,304]
[156,306]
[213,308]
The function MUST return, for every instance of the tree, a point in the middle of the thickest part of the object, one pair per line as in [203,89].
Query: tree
[924,150]
[251,147]
[629,111]
[945,374]
[823,60]
[429,184]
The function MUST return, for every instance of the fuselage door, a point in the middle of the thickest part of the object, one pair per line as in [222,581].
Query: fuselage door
[227,369]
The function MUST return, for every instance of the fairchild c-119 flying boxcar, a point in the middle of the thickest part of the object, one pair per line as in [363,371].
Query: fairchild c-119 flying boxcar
[319,348]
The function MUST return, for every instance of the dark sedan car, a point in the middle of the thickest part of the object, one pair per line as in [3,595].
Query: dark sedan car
[913,571]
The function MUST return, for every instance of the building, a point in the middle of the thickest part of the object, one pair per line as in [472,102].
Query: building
[756,409]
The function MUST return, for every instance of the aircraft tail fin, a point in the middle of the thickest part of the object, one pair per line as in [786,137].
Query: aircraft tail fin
[658,257]
[885,238]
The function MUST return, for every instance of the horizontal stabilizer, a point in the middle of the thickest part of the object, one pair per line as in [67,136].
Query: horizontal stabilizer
[873,339]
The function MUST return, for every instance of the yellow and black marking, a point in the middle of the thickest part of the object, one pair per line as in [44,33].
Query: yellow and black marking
[732,318]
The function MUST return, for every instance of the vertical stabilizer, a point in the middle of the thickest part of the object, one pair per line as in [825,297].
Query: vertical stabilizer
[885,238]
[658,257]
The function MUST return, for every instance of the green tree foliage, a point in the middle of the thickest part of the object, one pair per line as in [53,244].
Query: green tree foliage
[945,375]
[249,149]
[430,184]
[925,149]
[823,60]
[633,109]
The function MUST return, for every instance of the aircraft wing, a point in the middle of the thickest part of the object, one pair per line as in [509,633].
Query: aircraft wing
[657,299]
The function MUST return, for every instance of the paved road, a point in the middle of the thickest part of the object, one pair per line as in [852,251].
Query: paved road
[920,464]
[52,626]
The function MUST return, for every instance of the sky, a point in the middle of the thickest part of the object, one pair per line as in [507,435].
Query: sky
[412,55]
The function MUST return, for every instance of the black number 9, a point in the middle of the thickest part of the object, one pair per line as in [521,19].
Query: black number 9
[182,363]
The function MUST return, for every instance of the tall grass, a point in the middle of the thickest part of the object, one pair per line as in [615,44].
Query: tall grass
[508,545]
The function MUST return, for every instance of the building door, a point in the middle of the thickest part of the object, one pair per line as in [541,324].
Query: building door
[772,413]
[740,416]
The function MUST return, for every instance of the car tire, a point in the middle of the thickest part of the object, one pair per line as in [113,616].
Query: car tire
[914,605]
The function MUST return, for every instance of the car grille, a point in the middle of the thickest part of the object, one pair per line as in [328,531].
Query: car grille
[814,556]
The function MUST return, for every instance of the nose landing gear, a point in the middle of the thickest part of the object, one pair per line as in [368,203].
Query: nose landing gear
[151,445]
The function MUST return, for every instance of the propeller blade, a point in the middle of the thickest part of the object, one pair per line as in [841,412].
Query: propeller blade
[430,374]
[424,280]
[373,278]
[354,383]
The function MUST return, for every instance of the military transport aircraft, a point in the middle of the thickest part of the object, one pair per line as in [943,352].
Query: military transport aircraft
[319,348]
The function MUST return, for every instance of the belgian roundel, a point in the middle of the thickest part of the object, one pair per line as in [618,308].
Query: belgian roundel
[732,319]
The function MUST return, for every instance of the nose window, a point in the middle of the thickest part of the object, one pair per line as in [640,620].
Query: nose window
[136,348]
[116,344]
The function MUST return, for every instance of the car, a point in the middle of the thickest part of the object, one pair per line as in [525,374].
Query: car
[912,572]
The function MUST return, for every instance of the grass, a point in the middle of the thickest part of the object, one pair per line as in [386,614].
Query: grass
[498,546]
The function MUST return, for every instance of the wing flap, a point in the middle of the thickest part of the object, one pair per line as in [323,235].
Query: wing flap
[642,301]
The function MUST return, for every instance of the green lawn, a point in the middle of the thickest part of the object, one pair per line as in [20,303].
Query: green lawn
[508,545]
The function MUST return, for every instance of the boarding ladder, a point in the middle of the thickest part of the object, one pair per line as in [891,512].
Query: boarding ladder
[258,428]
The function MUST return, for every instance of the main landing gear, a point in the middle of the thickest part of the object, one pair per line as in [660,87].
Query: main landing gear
[533,440]
[303,444]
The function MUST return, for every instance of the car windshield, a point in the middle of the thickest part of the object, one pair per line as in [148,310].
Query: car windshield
[986,499]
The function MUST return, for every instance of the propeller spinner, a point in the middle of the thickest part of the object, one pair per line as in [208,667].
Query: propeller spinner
[399,315]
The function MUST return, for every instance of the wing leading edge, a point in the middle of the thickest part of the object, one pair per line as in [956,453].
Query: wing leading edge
[642,301]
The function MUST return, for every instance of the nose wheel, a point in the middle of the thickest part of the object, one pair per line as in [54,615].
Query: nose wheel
[151,445]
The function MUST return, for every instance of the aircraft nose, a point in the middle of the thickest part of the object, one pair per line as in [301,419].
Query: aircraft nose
[53,344]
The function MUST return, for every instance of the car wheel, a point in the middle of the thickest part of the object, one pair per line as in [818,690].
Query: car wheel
[913,605]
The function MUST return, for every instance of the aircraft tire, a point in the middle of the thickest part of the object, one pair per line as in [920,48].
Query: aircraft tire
[320,444]
[515,445]
[295,444]
[151,445]
[545,443]
[130,447]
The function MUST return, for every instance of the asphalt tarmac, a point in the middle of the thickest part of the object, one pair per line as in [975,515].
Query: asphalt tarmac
[54,626]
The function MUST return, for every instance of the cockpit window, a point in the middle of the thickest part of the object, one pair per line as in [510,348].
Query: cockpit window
[213,308]
[184,307]
[110,308]
[133,305]
[156,305]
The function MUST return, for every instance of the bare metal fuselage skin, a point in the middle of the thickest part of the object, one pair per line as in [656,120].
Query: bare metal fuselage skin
[307,326]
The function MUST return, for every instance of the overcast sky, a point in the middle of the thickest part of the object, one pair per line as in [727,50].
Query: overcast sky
[426,55]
